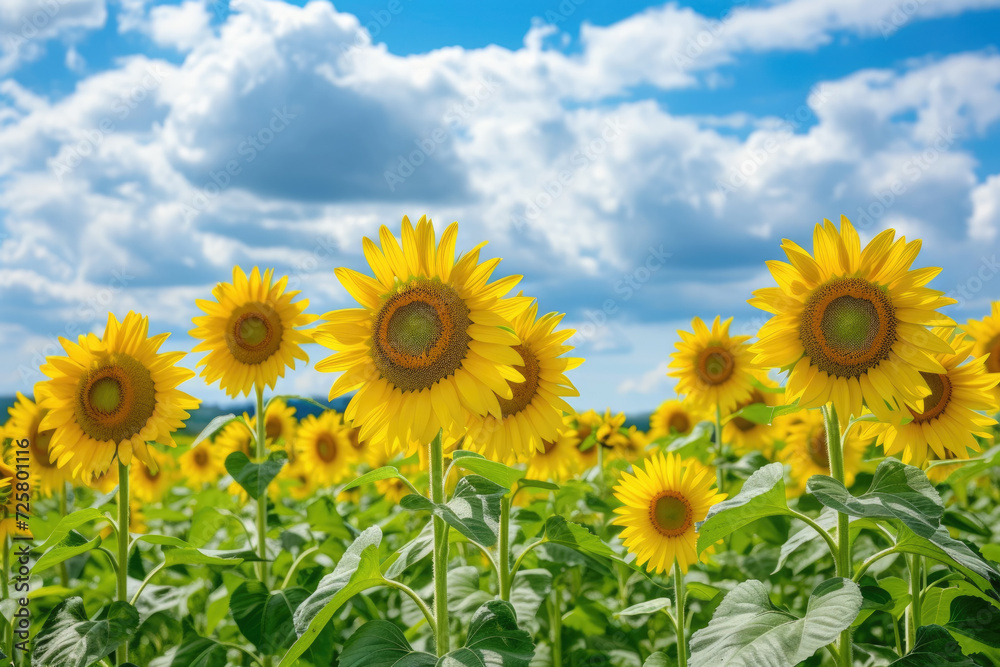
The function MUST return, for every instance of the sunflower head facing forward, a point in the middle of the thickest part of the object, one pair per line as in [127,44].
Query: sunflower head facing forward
[807,454]
[432,343]
[661,503]
[112,395]
[324,448]
[673,417]
[713,368]
[850,324]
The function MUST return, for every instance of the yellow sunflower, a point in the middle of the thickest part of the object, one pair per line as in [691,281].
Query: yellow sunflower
[297,479]
[673,417]
[202,465]
[559,459]
[850,324]
[746,436]
[249,331]
[279,423]
[112,395]
[986,333]
[662,501]
[806,453]
[432,342]
[712,368]
[951,419]
[104,480]
[583,425]
[150,484]
[324,448]
[633,445]
[25,418]
[534,413]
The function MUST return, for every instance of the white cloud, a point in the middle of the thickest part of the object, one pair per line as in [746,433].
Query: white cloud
[985,219]
[26,26]
[652,381]
[181,27]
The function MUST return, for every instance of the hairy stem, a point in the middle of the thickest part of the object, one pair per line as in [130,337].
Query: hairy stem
[835,449]
[121,655]
[440,547]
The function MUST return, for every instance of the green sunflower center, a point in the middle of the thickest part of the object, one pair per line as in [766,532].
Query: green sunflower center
[818,450]
[715,365]
[935,404]
[848,326]
[523,392]
[254,333]
[116,400]
[671,514]
[326,447]
[420,334]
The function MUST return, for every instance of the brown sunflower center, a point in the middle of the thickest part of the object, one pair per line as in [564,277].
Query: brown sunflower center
[39,444]
[273,427]
[352,435]
[671,514]
[149,474]
[420,335]
[934,405]
[254,333]
[714,365]
[116,400]
[680,422]
[743,424]
[548,446]
[525,391]
[200,457]
[818,450]
[993,361]
[848,327]
[326,447]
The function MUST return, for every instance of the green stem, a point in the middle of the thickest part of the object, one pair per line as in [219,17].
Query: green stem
[440,547]
[872,560]
[262,498]
[835,449]
[149,577]
[555,621]
[295,565]
[913,612]
[63,570]
[121,655]
[600,467]
[720,476]
[680,620]
[424,609]
[504,564]
[805,518]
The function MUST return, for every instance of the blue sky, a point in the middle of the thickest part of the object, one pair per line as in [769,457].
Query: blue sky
[695,137]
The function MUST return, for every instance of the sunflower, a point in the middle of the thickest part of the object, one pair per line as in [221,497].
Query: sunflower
[534,414]
[25,418]
[104,480]
[986,333]
[235,436]
[150,484]
[747,436]
[202,465]
[672,417]
[662,501]
[806,452]
[632,446]
[432,342]
[583,425]
[279,422]
[111,396]
[950,421]
[713,369]
[249,331]
[559,459]
[325,450]
[297,479]
[850,325]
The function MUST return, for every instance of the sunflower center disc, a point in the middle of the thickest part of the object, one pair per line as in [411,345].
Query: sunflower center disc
[742,423]
[254,333]
[934,404]
[326,447]
[715,365]
[272,428]
[201,457]
[818,451]
[993,361]
[420,335]
[39,445]
[106,395]
[671,514]
[548,446]
[679,422]
[848,326]
[523,392]
[115,401]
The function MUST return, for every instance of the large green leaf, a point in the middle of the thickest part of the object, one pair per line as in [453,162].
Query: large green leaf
[975,618]
[196,651]
[658,659]
[70,639]
[528,591]
[72,545]
[560,531]
[213,427]
[934,648]
[943,548]
[762,495]
[192,556]
[69,523]
[647,607]
[376,475]
[254,477]
[748,631]
[265,617]
[358,570]
[382,644]
[897,491]
[491,470]
[474,508]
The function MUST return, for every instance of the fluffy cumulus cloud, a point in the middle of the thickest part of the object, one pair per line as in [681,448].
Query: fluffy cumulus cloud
[281,134]
[27,25]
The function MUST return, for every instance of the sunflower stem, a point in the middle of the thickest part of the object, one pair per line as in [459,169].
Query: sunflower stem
[440,547]
[503,568]
[835,449]
[63,571]
[720,475]
[680,622]
[555,621]
[121,655]
[913,611]
[262,496]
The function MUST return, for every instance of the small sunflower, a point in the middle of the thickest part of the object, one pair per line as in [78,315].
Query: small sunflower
[806,452]
[325,450]
[111,396]
[250,332]
[559,459]
[712,368]
[279,423]
[673,417]
[850,324]
[236,436]
[25,418]
[951,419]
[297,479]
[104,480]
[432,343]
[583,425]
[202,465]
[986,333]
[633,446]
[150,484]
[662,501]
[747,436]
[534,413]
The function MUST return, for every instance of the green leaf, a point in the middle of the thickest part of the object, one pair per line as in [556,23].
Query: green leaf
[748,631]
[943,548]
[254,477]
[760,413]
[212,428]
[575,536]
[658,659]
[196,651]
[474,509]
[762,495]
[163,540]
[72,545]
[647,607]
[934,648]
[495,472]
[525,483]
[464,593]
[70,639]
[322,516]
[975,618]
[265,617]
[296,397]
[192,556]
[528,591]
[358,570]
[382,644]
[377,475]
[900,592]
[68,523]
[898,491]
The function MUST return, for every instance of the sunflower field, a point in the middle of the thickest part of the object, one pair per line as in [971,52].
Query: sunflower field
[823,493]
